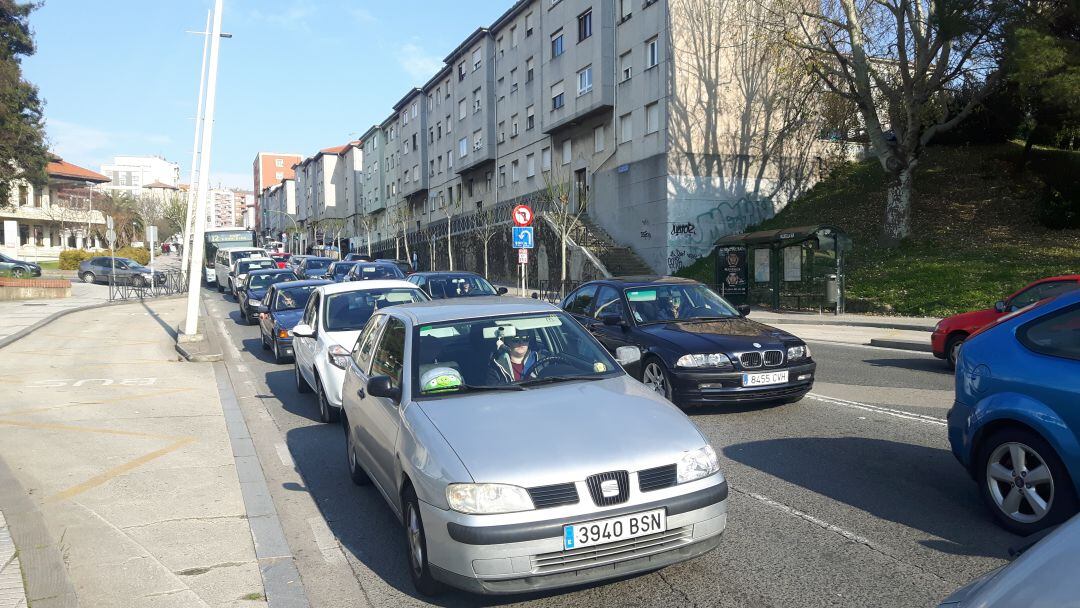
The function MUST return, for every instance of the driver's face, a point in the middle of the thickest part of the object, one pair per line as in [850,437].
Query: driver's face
[519,347]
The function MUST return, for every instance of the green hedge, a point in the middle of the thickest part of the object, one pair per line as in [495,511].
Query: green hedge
[71,258]
[139,254]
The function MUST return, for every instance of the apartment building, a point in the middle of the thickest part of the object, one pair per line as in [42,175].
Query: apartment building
[278,209]
[133,174]
[268,169]
[221,210]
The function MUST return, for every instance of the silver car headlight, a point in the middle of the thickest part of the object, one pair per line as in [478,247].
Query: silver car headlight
[699,361]
[252,302]
[697,464]
[487,498]
[795,353]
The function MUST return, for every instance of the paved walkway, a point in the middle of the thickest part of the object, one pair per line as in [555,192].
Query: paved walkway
[124,454]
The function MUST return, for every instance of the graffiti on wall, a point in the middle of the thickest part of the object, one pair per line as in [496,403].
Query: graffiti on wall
[694,225]
[676,260]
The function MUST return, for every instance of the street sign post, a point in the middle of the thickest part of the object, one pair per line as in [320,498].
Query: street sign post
[151,237]
[523,237]
[110,235]
[522,215]
[523,256]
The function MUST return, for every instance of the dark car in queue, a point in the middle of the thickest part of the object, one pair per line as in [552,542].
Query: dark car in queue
[405,266]
[280,311]
[313,267]
[446,284]
[369,271]
[252,291]
[696,348]
[294,261]
[358,257]
[126,271]
[19,269]
[339,271]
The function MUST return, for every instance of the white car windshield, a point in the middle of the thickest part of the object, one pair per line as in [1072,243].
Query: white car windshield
[511,353]
[350,310]
[666,303]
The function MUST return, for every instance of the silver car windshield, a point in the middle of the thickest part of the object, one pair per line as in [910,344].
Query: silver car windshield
[459,286]
[511,353]
[350,310]
[666,303]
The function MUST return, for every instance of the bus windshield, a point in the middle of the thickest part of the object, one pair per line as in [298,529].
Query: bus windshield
[229,237]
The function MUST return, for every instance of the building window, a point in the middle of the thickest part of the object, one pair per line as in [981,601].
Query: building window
[279,162]
[598,139]
[626,8]
[449,161]
[528,25]
[499,45]
[584,25]
[449,124]
[530,165]
[476,60]
[514,125]
[502,176]
[478,139]
[626,128]
[530,118]
[545,159]
[279,175]
[513,36]
[514,171]
[567,148]
[476,101]
[462,110]
[557,44]
[584,80]
[558,96]
[529,69]
[463,147]
[652,118]
[652,53]
[502,131]
[626,66]
[513,80]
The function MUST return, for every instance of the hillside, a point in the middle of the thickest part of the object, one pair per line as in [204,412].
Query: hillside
[975,236]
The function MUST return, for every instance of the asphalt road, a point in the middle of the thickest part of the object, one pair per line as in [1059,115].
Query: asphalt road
[847,498]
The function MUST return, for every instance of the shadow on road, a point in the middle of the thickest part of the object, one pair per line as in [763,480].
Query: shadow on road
[916,486]
[921,364]
[169,329]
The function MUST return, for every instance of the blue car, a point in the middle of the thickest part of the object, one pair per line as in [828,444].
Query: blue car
[339,270]
[280,311]
[251,292]
[1015,424]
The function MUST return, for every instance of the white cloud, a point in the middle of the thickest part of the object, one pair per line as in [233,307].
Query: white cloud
[418,63]
[362,15]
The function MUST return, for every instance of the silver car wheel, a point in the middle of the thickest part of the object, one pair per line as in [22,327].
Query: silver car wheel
[416,545]
[1020,483]
[654,378]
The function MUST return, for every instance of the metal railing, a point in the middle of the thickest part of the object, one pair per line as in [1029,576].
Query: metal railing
[554,291]
[138,287]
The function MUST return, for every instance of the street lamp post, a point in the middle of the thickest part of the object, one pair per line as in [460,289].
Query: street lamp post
[185,253]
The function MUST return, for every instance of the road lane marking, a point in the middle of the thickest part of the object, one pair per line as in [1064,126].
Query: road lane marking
[326,541]
[877,349]
[123,398]
[284,455]
[862,540]
[877,409]
[116,471]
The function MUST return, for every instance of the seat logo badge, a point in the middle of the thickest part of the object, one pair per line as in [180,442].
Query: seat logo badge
[756,345]
[609,488]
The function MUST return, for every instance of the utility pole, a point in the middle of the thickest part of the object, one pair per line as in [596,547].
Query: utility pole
[191,323]
[185,249]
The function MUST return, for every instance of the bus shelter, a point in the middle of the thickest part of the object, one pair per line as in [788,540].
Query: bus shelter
[799,268]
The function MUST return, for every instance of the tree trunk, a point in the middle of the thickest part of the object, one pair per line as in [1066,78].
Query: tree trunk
[405,238]
[901,189]
[1028,143]
[486,273]
[367,232]
[562,256]
[449,248]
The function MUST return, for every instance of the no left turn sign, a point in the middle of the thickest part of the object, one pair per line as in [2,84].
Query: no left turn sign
[523,215]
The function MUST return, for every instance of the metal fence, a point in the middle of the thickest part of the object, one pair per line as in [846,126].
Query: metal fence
[139,288]
[554,291]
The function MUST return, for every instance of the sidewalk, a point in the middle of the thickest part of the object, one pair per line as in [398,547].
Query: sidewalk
[924,324]
[123,454]
[905,333]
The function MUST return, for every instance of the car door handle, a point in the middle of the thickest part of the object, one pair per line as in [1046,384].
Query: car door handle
[360,393]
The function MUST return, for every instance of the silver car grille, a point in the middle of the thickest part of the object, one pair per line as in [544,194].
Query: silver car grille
[544,497]
[587,557]
[596,488]
[657,478]
[773,358]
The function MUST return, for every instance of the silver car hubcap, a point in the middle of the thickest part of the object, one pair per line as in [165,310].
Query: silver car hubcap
[654,378]
[956,349]
[1020,482]
[416,548]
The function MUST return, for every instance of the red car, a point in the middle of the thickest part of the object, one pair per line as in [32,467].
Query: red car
[951,332]
[281,259]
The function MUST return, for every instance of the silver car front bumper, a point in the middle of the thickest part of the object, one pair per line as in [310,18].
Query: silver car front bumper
[528,556]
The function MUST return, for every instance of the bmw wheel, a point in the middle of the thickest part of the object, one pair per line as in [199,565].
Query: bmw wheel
[419,569]
[1024,482]
[656,377]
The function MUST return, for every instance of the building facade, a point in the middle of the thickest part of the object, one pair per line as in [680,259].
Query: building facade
[221,208]
[134,174]
[268,169]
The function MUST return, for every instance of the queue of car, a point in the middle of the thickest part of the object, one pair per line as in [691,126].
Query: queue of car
[414,368]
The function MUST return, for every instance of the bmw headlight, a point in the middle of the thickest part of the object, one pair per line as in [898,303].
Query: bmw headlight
[487,498]
[697,464]
[700,361]
[795,353]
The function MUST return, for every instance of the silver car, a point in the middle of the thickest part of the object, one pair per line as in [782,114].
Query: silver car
[518,453]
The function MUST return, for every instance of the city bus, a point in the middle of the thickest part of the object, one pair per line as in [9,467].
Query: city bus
[218,238]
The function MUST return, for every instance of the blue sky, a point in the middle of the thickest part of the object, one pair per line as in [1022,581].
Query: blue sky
[121,76]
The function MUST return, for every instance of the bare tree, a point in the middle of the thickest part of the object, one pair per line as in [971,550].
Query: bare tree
[896,60]
[451,210]
[151,210]
[366,222]
[486,229]
[563,209]
[334,227]
[403,215]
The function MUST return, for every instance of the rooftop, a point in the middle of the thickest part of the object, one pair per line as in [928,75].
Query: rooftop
[60,168]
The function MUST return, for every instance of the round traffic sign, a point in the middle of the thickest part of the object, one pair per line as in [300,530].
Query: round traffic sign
[523,216]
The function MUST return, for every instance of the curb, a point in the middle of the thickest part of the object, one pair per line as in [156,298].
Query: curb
[195,357]
[875,324]
[902,345]
[26,331]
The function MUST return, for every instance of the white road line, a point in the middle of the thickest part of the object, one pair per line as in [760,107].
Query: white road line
[877,349]
[326,541]
[807,517]
[284,455]
[877,409]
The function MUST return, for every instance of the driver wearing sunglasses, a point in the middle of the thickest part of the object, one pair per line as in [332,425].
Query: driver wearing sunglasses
[513,359]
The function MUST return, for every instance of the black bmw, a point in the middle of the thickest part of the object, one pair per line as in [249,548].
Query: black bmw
[696,348]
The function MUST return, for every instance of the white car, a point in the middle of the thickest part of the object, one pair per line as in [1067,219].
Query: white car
[243,266]
[333,319]
[226,258]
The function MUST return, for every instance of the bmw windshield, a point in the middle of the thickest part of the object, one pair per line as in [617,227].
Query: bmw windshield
[678,302]
[506,353]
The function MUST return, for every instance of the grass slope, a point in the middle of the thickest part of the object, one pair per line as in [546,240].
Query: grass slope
[974,233]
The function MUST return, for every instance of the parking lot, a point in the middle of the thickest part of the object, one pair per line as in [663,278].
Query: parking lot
[849,497]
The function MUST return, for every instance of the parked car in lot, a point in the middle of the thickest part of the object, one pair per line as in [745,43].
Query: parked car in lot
[358,257]
[128,272]
[333,318]
[242,267]
[19,269]
[516,477]
[312,267]
[951,332]
[225,260]
[696,347]
[1015,424]
[280,311]
[450,284]
[339,270]
[1043,575]
[281,259]
[252,291]
[374,271]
